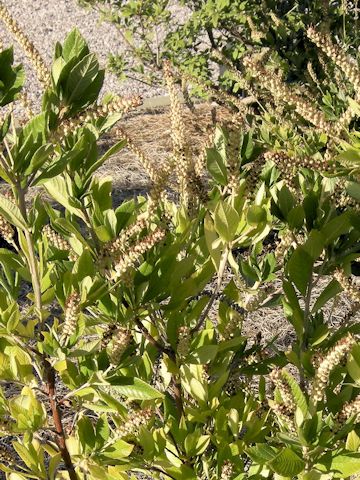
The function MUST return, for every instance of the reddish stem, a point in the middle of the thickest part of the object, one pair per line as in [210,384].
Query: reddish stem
[51,390]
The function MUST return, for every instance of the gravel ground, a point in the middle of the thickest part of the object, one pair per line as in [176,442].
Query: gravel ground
[47,21]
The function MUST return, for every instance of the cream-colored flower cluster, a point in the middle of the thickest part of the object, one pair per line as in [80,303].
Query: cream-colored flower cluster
[116,105]
[28,47]
[227,470]
[6,230]
[184,341]
[352,291]
[281,92]
[254,299]
[345,119]
[148,164]
[59,242]
[137,419]
[233,325]
[6,456]
[252,178]
[282,413]
[178,131]
[25,102]
[107,335]
[328,363]
[280,383]
[182,161]
[285,409]
[286,242]
[341,198]
[71,315]
[346,63]
[351,410]
[120,341]
[6,426]
[158,173]
[286,163]
[129,259]
[256,34]
[120,244]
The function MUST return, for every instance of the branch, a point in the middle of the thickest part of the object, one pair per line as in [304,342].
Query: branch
[153,341]
[171,354]
[61,442]
[215,293]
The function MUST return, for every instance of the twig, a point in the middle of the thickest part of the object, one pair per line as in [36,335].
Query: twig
[61,442]
[171,354]
[214,295]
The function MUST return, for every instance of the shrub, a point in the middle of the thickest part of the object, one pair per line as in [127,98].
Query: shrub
[123,329]
[152,31]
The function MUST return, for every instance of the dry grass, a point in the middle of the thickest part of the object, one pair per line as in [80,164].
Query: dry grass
[150,130]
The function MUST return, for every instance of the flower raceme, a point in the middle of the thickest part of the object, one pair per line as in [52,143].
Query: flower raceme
[328,363]
[283,387]
[346,63]
[351,410]
[72,311]
[128,260]
[116,105]
[59,242]
[119,344]
[282,92]
[33,54]
[352,291]
[137,419]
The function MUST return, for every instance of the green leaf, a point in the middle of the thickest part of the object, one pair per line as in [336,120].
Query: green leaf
[330,291]
[226,220]
[255,215]
[118,449]
[216,166]
[57,68]
[286,201]
[212,241]
[299,397]
[287,463]
[296,217]
[39,158]
[11,78]
[343,464]
[80,78]
[261,453]
[336,227]
[134,388]
[203,355]
[353,189]
[353,441]
[353,363]
[198,391]
[314,245]
[59,188]
[74,46]
[109,153]
[300,268]
[86,434]
[12,213]
[102,430]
